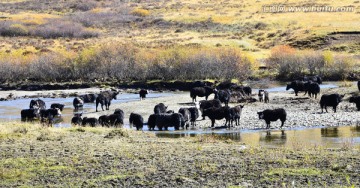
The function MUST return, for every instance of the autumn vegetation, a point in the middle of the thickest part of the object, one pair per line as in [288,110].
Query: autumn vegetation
[64,41]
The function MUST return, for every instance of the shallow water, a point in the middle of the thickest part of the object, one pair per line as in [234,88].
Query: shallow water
[330,137]
[10,110]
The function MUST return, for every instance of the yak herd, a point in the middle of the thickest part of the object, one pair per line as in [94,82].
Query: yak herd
[162,118]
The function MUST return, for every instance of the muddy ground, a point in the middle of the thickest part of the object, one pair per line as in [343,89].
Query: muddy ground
[34,156]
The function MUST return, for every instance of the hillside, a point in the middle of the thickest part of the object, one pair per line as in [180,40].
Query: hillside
[37,25]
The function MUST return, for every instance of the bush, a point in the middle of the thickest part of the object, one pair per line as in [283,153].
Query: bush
[290,64]
[59,28]
[140,12]
[13,29]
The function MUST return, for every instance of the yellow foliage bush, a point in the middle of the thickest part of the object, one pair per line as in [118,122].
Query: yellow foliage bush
[140,12]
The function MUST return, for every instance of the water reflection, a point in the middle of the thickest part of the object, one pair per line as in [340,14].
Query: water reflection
[330,132]
[332,137]
[275,137]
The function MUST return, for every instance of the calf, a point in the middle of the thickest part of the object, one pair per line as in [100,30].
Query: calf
[175,120]
[57,105]
[332,100]
[356,100]
[30,114]
[78,103]
[217,114]
[160,108]
[263,96]
[273,115]
[76,120]
[223,95]
[89,121]
[143,93]
[186,114]
[38,103]
[235,113]
[208,104]
[201,92]
[194,114]
[137,120]
[296,86]
[104,98]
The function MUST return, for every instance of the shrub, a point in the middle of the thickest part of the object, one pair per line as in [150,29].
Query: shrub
[13,29]
[61,28]
[140,12]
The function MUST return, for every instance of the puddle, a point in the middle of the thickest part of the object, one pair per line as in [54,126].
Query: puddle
[330,137]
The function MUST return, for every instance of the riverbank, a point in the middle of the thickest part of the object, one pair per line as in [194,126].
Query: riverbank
[102,157]
[301,110]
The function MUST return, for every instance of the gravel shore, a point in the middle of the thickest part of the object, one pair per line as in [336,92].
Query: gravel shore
[302,111]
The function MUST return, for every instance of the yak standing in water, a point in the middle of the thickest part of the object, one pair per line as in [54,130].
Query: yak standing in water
[104,98]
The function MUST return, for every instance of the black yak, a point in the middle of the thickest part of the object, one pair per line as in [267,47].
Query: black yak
[332,100]
[273,115]
[104,98]
[201,92]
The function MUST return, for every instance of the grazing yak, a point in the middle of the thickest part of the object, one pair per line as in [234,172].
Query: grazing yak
[332,100]
[89,121]
[223,95]
[137,120]
[104,120]
[194,114]
[263,96]
[273,115]
[201,92]
[217,114]
[356,100]
[76,120]
[38,103]
[104,98]
[89,98]
[226,85]
[78,103]
[175,120]
[235,113]
[49,114]
[296,86]
[152,122]
[57,105]
[116,120]
[208,104]
[312,88]
[30,114]
[186,114]
[316,79]
[160,108]
[143,93]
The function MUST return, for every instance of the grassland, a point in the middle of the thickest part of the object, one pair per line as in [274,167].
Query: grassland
[34,156]
[155,24]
